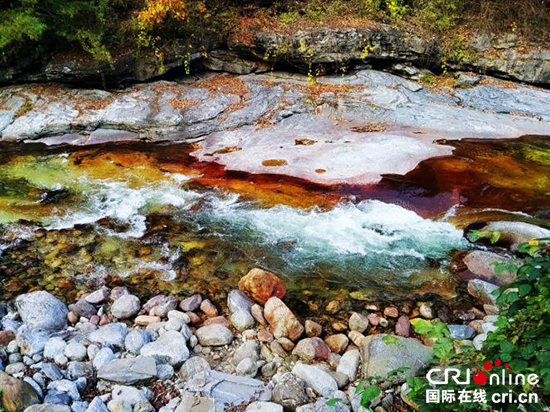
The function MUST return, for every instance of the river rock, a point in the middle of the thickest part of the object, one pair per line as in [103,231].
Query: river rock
[129,371]
[282,321]
[247,367]
[349,364]
[214,335]
[192,367]
[226,389]
[136,339]
[191,303]
[111,334]
[481,264]
[482,291]
[75,351]
[516,233]
[403,326]
[313,329]
[290,392]
[358,322]
[169,348]
[264,407]
[249,349]
[262,285]
[31,341]
[16,395]
[321,406]
[383,353]
[125,307]
[97,405]
[462,332]
[317,379]
[50,407]
[310,349]
[337,343]
[54,347]
[98,296]
[42,310]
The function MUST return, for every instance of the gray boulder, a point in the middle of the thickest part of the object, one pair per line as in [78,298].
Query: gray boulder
[42,310]
[169,348]
[111,334]
[383,354]
[129,371]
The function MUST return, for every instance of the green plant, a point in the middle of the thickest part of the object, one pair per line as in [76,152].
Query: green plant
[438,15]
[396,8]
[521,340]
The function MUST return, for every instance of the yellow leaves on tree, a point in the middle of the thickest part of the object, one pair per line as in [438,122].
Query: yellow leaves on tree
[158,12]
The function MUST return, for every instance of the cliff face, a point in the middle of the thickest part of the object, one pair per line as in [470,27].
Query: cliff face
[319,50]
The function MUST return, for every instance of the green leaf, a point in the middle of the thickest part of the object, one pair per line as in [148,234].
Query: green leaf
[333,401]
[369,393]
[525,289]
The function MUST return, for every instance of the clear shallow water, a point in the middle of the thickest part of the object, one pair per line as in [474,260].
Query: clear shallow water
[150,216]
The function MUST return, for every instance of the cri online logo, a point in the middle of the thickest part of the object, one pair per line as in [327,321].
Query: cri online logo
[481,377]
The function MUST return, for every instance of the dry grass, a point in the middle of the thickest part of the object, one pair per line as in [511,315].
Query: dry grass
[179,103]
[369,128]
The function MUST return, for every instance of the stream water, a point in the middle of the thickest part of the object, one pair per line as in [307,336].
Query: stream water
[153,217]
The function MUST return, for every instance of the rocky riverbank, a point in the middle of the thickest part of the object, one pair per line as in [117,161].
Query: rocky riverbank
[110,351]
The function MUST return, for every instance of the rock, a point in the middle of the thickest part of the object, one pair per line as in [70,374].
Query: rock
[218,320]
[191,303]
[349,364]
[478,341]
[249,349]
[169,348]
[358,322]
[196,404]
[50,408]
[125,307]
[75,351]
[163,306]
[321,406]
[467,80]
[426,311]
[16,395]
[258,313]
[337,343]
[129,371]
[77,370]
[6,336]
[356,337]
[51,371]
[54,347]
[262,285]
[462,332]
[242,320]
[118,292]
[136,339]
[165,372]
[228,389]
[310,349]
[264,407]
[313,329]
[247,367]
[403,326]
[482,291]
[97,405]
[317,379]
[383,353]
[83,308]
[516,233]
[391,312]
[208,308]
[111,334]
[145,320]
[65,386]
[103,357]
[237,301]
[192,367]
[290,392]
[214,335]
[282,321]
[481,264]
[31,341]
[98,296]
[41,310]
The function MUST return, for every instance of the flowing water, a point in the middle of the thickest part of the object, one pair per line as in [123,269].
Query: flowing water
[153,217]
